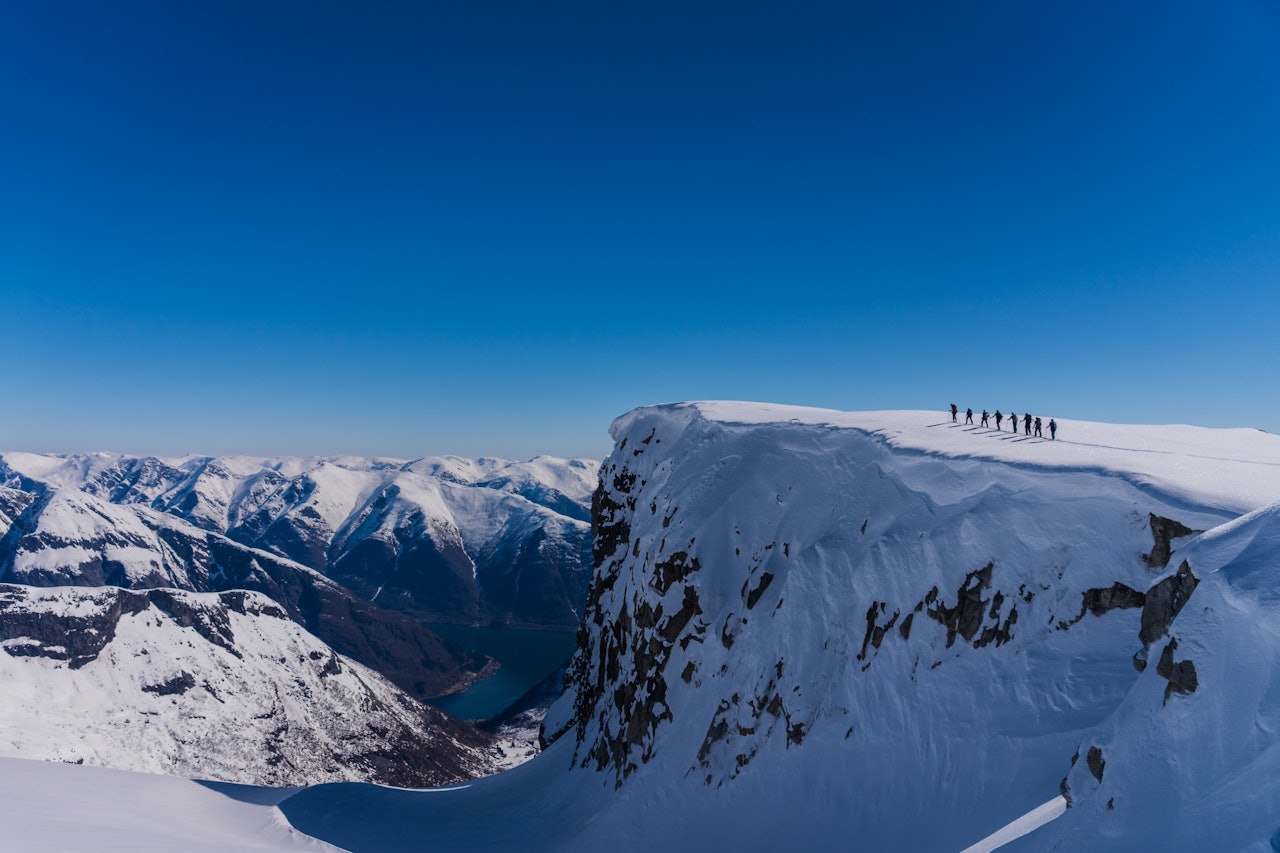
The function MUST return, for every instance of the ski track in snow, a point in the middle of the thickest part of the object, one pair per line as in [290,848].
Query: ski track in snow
[1032,820]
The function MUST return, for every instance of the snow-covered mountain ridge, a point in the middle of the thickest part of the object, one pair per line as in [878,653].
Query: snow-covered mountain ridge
[213,685]
[66,537]
[884,631]
[441,538]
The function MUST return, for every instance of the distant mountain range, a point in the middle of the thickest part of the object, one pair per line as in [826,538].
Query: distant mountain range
[340,559]
[440,539]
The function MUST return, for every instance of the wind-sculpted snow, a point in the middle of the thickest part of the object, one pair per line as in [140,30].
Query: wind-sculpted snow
[1191,759]
[218,686]
[858,631]
[442,539]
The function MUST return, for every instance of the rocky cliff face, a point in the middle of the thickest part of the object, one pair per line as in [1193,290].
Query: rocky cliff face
[216,686]
[924,631]
[441,539]
[877,631]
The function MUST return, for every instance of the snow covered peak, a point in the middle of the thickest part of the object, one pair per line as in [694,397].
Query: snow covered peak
[816,629]
[223,686]
[446,539]
[1237,470]
[785,591]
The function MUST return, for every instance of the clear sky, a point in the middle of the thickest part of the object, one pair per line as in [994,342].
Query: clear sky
[490,227]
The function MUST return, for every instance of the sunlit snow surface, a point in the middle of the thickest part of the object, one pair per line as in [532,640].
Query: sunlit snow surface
[770,721]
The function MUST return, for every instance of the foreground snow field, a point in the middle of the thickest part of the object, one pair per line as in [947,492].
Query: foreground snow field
[56,808]
[884,631]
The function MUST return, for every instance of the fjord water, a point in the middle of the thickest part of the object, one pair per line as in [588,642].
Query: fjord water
[526,656]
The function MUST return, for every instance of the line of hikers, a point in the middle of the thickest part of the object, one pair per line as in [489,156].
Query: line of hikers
[1027,423]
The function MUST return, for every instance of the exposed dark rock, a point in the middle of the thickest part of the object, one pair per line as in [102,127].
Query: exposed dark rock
[673,570]
[610,527]
[79,639]
[12,504]
[1105,599]
[965,618]
[1164,601]
[622,665]
[675,625]
[875,632]
[1095,762]
[175,686]
[1181,675]
[753,596]
[1163,532]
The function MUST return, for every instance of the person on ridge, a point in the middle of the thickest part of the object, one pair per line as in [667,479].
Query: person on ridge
[1026,424]
[953,412]
[999,418]
[1013,421]
[984,418]
[968,416]
[1053,430]
[1038,432]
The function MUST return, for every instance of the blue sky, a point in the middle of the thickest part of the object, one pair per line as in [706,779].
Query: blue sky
[490,227]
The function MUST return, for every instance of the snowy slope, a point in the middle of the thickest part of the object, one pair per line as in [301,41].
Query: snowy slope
[220,686]
[1191,759]
[56,808]
[861,630]
[65,536]
[442,538]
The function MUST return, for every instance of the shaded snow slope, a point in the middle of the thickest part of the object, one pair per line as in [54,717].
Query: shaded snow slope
[1191,759]
[55,808]
[443,538]
[221,686]
[869,630]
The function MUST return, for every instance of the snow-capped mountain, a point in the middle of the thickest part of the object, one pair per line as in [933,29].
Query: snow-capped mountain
[442,538]
[66,537]
[884,631]
[218,686]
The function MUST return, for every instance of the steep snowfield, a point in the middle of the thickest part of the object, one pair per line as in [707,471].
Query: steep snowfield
[219,686]
[1201,770]
[883,631]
